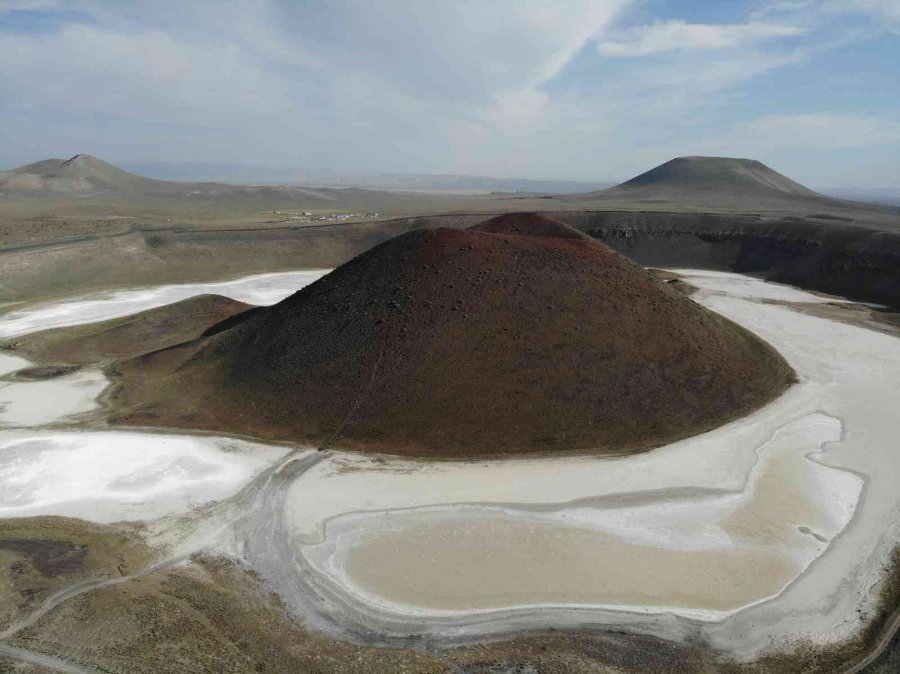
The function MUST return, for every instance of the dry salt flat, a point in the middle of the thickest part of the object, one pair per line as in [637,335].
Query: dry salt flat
[757,530]
[260,289]
[108,476]
[773,527]
[38,403]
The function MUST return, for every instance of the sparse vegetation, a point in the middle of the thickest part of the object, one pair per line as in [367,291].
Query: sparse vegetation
[40,555]
[209,616]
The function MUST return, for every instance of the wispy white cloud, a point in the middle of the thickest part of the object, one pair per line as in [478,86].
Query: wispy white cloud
[484,60]
[142,75]
[466,86]
[699,76]
[819,131]
[782,6]
[467,51]
[885,13]
[349,82]
[30,5]
[668,36]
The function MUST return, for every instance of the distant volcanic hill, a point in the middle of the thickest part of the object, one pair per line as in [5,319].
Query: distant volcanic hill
[714,174]
[82,173]
[86,176]
[707,184]
[519,335]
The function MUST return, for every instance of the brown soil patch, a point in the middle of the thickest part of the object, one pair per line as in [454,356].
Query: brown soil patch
[43,372]
[50,558]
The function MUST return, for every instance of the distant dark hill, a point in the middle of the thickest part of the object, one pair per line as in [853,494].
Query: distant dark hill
[463,342]
[86,176]
[82,173]
[708,185]
[84,167]
[724,175]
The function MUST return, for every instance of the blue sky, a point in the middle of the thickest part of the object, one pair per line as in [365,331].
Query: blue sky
[565,89]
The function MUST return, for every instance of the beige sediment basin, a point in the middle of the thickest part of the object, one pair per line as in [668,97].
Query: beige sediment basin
[472,563]
[262,289]
[772,500]
[698,555]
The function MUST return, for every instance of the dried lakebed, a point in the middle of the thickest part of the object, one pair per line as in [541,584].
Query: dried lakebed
[256,289]
[771,529]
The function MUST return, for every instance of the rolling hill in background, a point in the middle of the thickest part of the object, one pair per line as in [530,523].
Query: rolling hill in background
[85,176]
[875,195]
[685,176]
[416,182]
[689,183]
[711,184]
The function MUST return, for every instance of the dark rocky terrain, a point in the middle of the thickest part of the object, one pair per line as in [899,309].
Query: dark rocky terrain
[464,342]
[817,253]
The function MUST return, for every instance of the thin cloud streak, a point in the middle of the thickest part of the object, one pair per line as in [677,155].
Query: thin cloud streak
[668,36]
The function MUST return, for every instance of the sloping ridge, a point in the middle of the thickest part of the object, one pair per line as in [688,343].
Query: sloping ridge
[725,175]
[476,342]
[79,174]
[84,175]
[133,334]
[86,167]
[529,224]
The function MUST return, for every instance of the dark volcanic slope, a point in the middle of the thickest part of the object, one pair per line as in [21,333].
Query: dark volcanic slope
[462,342]
[715,174]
